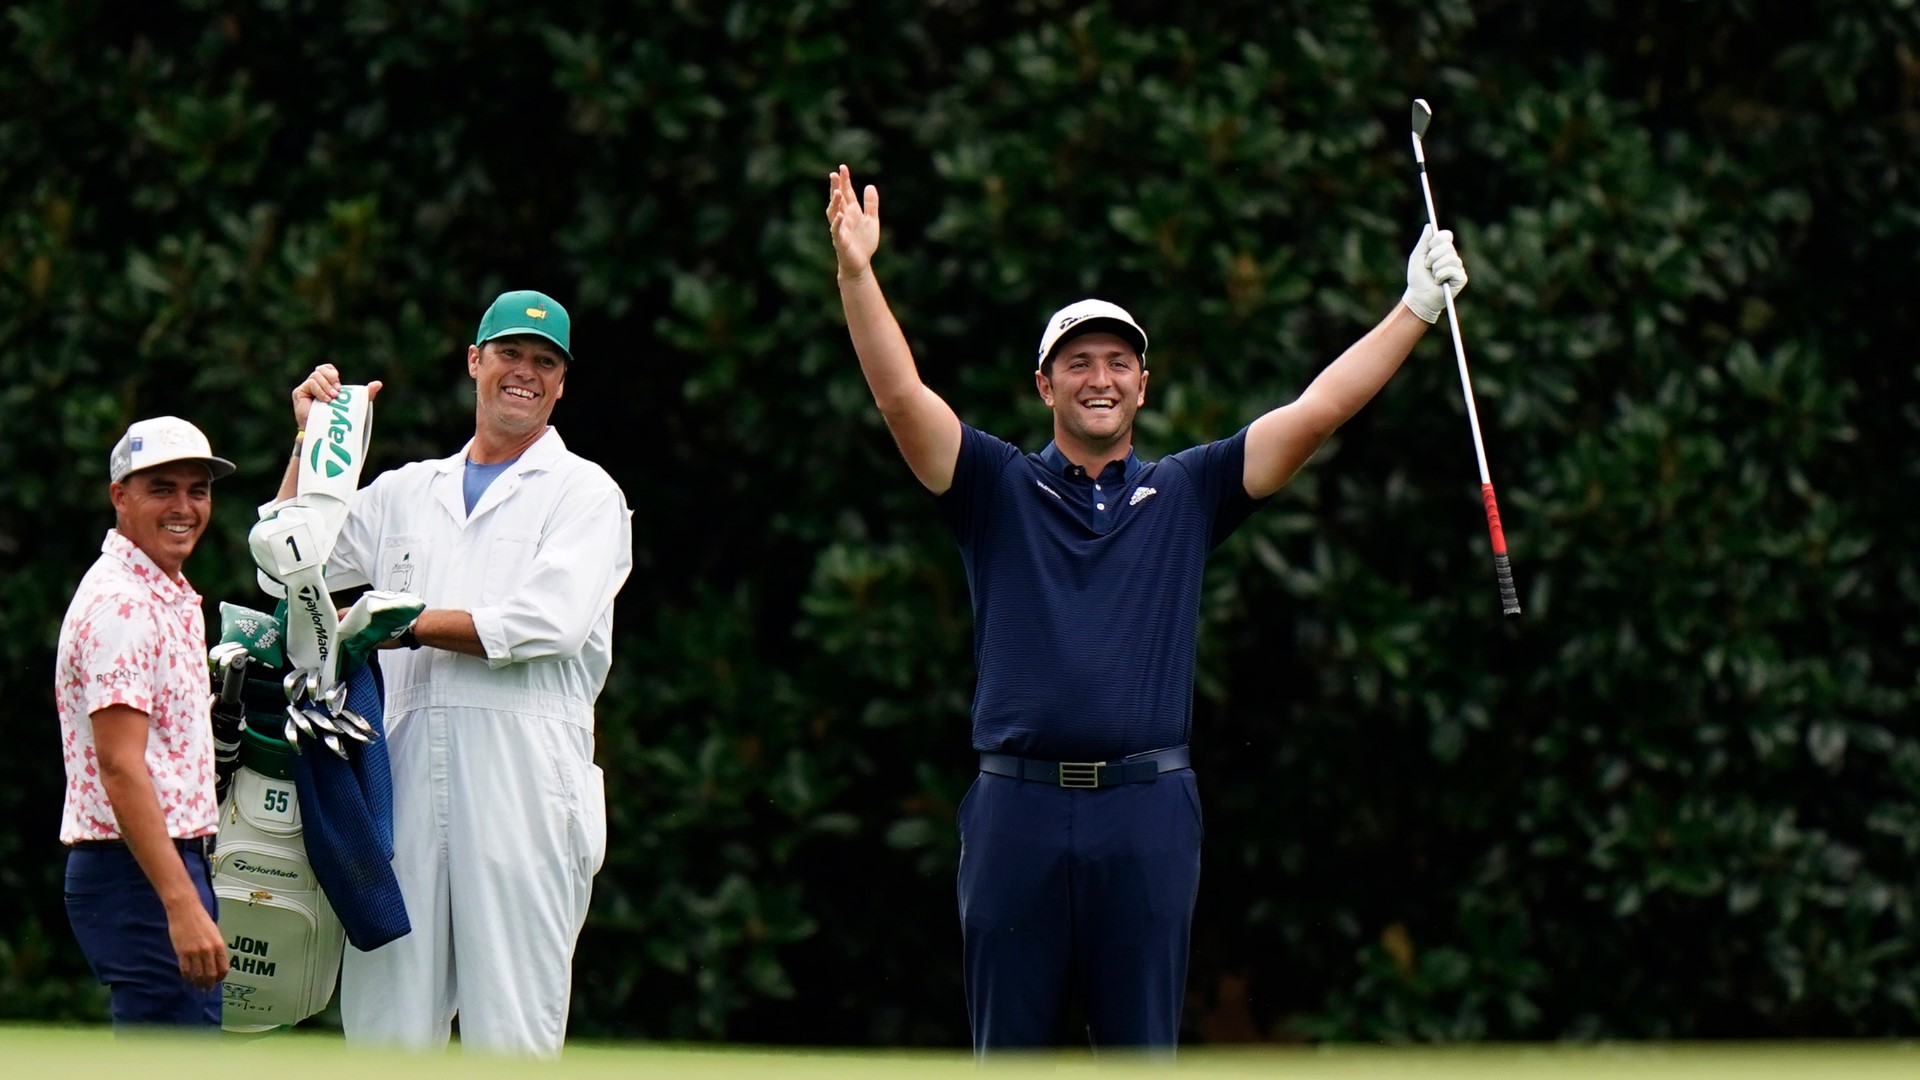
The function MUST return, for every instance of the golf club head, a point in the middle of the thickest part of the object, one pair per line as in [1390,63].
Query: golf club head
[320,719]
[335,698]
[354,726]
[1422,116]
[314,684]
[339,725]
[332,742]
[298,720]
[292,683]
[357,726]
[292,735]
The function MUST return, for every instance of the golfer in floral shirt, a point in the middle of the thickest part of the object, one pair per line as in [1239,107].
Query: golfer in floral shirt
[132,690]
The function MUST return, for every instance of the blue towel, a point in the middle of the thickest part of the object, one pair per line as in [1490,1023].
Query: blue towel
[346,812]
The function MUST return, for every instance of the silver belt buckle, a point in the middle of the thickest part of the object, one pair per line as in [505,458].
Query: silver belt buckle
[1080,774]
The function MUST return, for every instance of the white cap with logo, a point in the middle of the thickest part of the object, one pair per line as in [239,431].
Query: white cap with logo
[160,440]
[1086,317]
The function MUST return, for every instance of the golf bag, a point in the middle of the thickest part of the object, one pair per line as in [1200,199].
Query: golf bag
[284,941]
[307,816]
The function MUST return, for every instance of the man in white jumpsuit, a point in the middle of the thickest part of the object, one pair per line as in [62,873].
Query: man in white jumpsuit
[518,547]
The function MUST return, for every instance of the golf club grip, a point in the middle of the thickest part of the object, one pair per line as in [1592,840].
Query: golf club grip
[1509,597]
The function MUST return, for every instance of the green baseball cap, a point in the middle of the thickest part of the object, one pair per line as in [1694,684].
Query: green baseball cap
[525,311]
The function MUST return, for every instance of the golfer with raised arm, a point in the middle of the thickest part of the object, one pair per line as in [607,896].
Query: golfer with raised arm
[1080,838]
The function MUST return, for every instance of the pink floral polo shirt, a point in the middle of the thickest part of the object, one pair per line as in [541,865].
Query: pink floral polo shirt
[135,637]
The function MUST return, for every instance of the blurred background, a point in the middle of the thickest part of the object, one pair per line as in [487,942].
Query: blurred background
[1680,797]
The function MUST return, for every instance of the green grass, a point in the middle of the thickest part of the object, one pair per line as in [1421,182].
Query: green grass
[66,1052]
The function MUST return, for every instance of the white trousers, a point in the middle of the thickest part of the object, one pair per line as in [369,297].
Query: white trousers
[499,823]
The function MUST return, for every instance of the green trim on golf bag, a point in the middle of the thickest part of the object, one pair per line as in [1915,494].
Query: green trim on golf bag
[283,940]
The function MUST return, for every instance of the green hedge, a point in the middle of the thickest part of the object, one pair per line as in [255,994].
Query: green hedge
[1680,797]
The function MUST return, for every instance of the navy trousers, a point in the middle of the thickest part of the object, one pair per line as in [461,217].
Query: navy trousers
[122,928]
[1080,894]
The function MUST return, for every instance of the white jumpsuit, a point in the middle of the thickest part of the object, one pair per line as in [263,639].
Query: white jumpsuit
[499,810]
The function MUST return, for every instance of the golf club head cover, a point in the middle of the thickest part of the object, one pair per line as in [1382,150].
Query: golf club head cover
[262,634]
[374,618]
[293,539]
[289,548]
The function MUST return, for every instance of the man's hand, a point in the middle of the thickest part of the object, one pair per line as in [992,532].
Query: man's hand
[324,385]
[855,228]
[1434,265]
[120,740]
[197,942]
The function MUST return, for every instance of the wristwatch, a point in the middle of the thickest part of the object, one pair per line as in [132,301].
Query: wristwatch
[408,638]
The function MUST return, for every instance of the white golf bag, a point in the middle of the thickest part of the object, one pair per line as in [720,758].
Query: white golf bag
[284,942]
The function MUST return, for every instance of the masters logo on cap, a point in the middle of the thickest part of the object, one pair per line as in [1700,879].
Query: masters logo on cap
[524,311]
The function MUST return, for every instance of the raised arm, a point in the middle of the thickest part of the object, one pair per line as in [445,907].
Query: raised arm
[923,425]
[1282,440]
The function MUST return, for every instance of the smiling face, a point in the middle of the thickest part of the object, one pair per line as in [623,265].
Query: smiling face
[517,380]
[1094,384]
[163,510]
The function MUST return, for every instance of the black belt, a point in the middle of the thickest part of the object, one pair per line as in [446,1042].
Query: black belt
[191,845]
[1134,769]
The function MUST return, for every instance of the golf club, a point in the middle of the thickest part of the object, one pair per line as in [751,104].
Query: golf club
[1509,599]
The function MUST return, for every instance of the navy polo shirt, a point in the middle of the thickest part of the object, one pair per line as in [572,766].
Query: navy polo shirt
[1086,591]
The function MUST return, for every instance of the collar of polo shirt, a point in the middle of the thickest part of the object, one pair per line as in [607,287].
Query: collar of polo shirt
[1055,460]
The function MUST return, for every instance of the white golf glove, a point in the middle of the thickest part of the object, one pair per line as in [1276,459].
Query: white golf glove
[1433,265]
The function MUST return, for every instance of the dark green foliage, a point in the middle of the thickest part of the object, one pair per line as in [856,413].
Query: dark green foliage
[1680,797]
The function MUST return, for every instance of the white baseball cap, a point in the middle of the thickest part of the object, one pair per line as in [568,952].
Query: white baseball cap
[1088,316]
[158,441]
